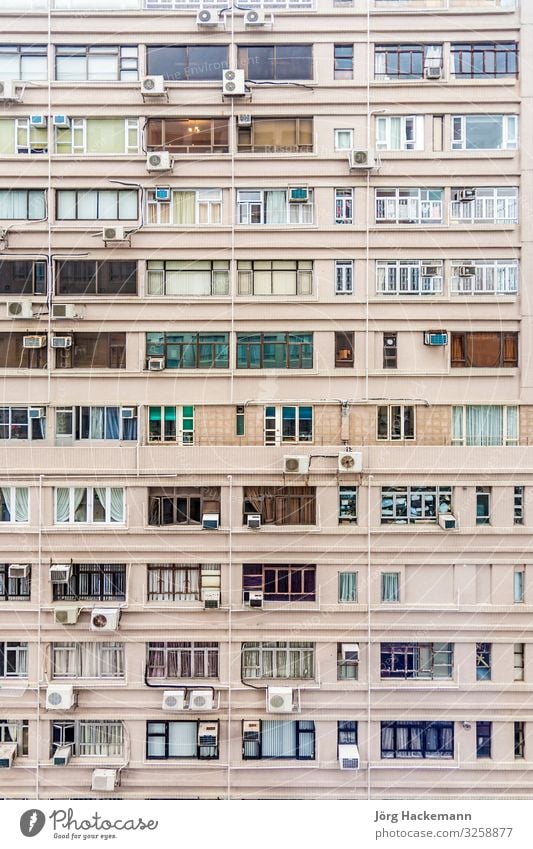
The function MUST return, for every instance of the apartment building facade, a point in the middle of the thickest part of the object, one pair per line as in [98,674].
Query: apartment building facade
[267,410]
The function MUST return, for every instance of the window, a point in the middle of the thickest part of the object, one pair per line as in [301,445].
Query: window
[344,139]
[346,732]
[484,132]
[240,420]
[98,136]
[348,587]
[189,350]
[108,423]
[88,660]
[484,425]
[15,423]
[171,424]
[23,204]
[416,660]
[15,731]
[17,135]
[14,504]
[96,738]
[343,206]
[491,205]
[390,350]
[22,277]
[23,62]
[404,739]
[396,422]
[13,589]
[347,504]
[271,206]
[347,668]
[518,661]
[343,276]
[93,581]
[409,206]
[483,496]
[89,504]
[279,582]
[288,424]
[181,581]
[344,349]
[276,135]
[179,739]
[484,350]
[492,277]
[405,61]
[519,739]
[409,277]
[187,135]
[182,505]
[187,63]
[390,586]
[184,278]
[13,354]
[483,661]
[281,505]
[343,61]
[402,132]
[96,204]
[13,660]
[483,739]
[182,660]
[281,738]
[278,660]
[275,277]
[403,504]
[90,277]
[518,505]
[275,350]
[490,59]
[96,63]
[93,350]
[276,61]
[187,207]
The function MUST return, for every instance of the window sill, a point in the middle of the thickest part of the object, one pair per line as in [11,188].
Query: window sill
[87,526]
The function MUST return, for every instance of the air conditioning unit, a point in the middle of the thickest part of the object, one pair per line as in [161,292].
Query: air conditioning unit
[251,731]
[298,194]
[156,363]
[210,521]
[33,341]
[18,570]
[66,615]
[253,521]
[207,18]
[104,779]
[466,195]
[105,618]
[8,90]
[207,733]
[127,412]
[350,652]
[211,599]
[162,194]
[60,573]
[244,120]
[348,756]
[19,309]
[153,86]
[433,72]
[447,521]
[158,161]
[254,18]
[361,159]
[60,697]
[201,700]
[431,270]
[62,755]
[255,598]
[350,461]
[8,752]
[38,121]
[233,82]
[173,700]
[467,271]
[64,311]
[61,341]
[435,338]
[279,700]
[114,234]
[294,464]
[62,122]
[36,412]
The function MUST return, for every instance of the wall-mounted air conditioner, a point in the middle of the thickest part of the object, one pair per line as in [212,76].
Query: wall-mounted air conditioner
[173,700]
[211,599]
[105,618]
[296,464]
[433,72]
[435,338]
[350,652]
[62,755]
[163,194]
[127,412]
[201,700]
[244,119]
[279,700]
[207,733]
[60,697]
[66,615]
[361,159]
[349,756]
[466,271]
[158,161]
[210,521]
[254,18]
[156,363]
[104,779]
[447,521]
[431,270]
[61,341]
[233,82]
[18,570]
[64,311]
[9,90]
[207,18]
[8,753]
[19,309]
[62,122]
[253,520]
[251,731]
[116,233]
[350,461]
[38,121]
[34,341]
[255,598]
[153,86]
[298,194]
[60,573]
[36,412]
[466,195]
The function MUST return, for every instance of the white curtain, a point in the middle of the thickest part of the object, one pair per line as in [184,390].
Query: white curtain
[103,739]
[182,739]
[484,425]
[117,504]
[275,207]
[96,422]
[390,586]
[6,495]
[62,504]
[347,586]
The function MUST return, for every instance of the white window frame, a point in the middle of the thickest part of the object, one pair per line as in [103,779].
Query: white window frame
[305,651]
[244,208]
[18,503]
[75,413]
[24,51]
[28,424]
[491,205]
[492,277]
[22,125]
[30,196]
[20,727]
[302,272]
[510,428]
[411,133]
[274,436]
[344,276]
[408,206]
[337,135]
[19,657]
[404,277]
[91,51]
[459,132]
[183,437]
[110,748]
[90,506]
[120,200]
[108,655]
[156,278]
[78,126]
[208,199]
[343,199]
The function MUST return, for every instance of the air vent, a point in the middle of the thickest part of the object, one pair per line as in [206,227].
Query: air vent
[467,271]
[62,755]
[210,521]
[255,598]
[211,599]
[244,120]
[8,752]
[433,72]
[233,82]
[38,121]
[447,521]
[207,733]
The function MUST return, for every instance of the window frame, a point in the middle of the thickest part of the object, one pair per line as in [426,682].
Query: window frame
[24,51]
[300,131]
[104,582]
[216,125]
[184,424]
[410,136]
[460,420]
[101,651]
[409,206]
[69,732]
[101,196]
[126,66]
[302,271]
[463,65]
[165,735]
[416,661]
[197,577]
[208,208]
[483,739]
[252,350]
[404,278]
[14,589]
[249,208]
[433,501]
[415,731]
[284,653]
[418,60]
[197,343]
[483,661]
[397,424]
[304,741]
[460,131]
[276,504]
[89,506]
[277,420]
[244,60]
[491,205]
[344,206]
[14,656]
[203,660]
[257,577]
[462,357]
